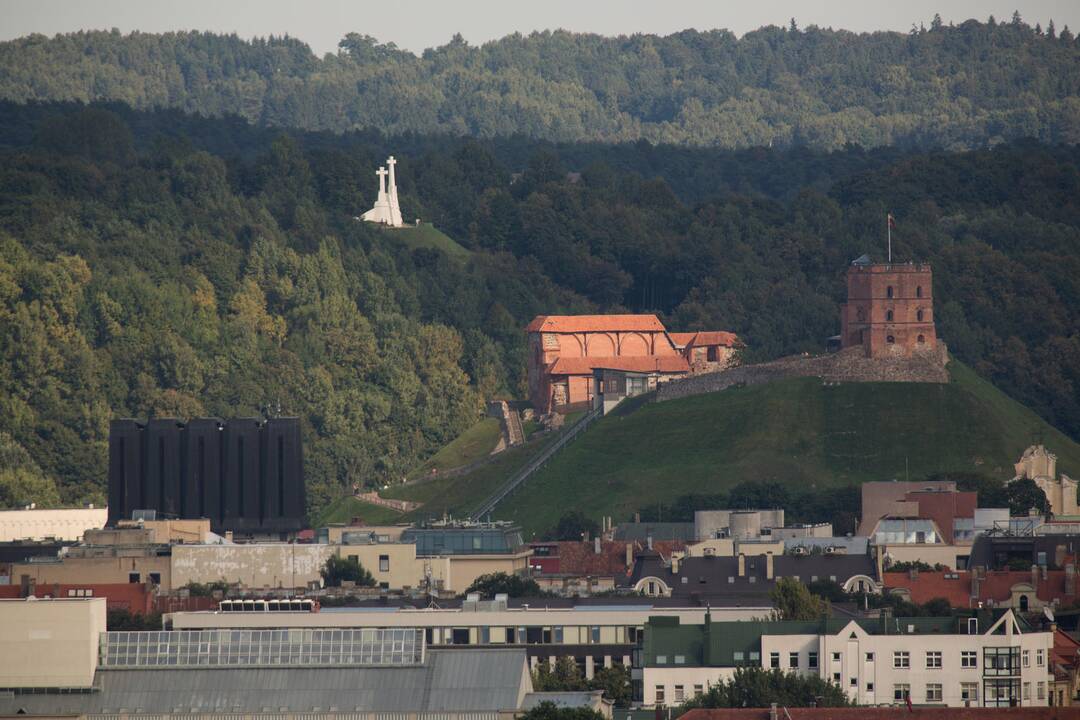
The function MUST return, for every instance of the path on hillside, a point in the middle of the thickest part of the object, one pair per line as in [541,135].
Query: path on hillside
[522,476]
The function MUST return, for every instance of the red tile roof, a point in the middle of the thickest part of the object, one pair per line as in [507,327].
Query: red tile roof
[706,338]
[572,557]
[996,585]
[595,323]
[643,363]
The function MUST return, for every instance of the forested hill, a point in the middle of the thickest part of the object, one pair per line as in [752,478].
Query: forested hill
[954,87]
[158,263]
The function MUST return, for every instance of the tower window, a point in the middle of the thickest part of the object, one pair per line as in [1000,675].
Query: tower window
[919,315]
[918,291]
[888,291]
[890,339]
[921,339]
[888,315]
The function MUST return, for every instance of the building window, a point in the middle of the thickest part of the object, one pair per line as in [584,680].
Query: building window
[918,291]
[738,656]
[890,339]
[969,692]
[384,563]
[1003,692]
[869,657]
[1040,691]
[888,292]
[921,339]
[854,682]
[133,577]
[1027,691]
[1027,658]
[811,659]
[459,636]
[1039,658]
[660,695]
[557,633]
[1001,661]
[836,657]
[969,659]
[155,578]
[485,635]
[755,656]
[793,660]
[711,355]
[901,691]
[680,659]
[699,690]
[888,315]
[836,678]
[933,692]
[774,660]
[869,687]
[901,659]
[680,696]
[661,659]
[594,633]
[919,315]
[933,659]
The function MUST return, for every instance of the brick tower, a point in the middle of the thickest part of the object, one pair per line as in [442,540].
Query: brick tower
[889,309]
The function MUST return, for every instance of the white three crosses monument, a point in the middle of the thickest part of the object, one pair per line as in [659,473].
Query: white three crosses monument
[386,210]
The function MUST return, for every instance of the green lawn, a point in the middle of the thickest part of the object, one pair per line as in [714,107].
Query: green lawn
[796,431]
[345,509]
[427,235]
[474,444]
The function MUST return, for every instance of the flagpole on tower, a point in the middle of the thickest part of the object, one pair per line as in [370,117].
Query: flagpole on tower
[888,230]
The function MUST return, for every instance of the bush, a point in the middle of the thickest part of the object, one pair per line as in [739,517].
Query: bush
[338,570]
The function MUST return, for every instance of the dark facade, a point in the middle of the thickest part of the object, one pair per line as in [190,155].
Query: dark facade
[246,474]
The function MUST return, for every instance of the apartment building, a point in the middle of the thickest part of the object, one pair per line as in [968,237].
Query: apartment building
[984,659]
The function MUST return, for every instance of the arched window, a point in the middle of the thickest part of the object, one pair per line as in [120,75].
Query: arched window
[890,339]
[921,339]
[919,316]
[888,315]
[888,291]
[860,314]
[918,291]
[1023,603]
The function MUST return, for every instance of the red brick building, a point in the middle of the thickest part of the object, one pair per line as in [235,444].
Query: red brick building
[564,350]
[889,309]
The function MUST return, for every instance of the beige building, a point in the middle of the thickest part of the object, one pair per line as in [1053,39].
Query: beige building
[61,524]
[1040,465]
[50,643]
[107,556]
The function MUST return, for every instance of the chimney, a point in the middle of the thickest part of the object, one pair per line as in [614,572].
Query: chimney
[637,517]
[648,541]
[675,563]
[768,566]
[742,565]
[596,544]
[228,536]
[1070,579]
[629,555]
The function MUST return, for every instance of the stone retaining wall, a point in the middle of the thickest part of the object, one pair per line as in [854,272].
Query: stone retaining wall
[849,365]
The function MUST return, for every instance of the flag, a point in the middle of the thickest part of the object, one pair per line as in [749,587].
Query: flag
[892,220]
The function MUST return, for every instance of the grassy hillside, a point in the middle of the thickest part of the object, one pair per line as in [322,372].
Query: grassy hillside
[474,444]
[427,235]
[345,509]
[797,431]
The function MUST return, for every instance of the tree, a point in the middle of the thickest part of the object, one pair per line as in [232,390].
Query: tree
[339,569]
[758,687]
[574,525]
[1023,495]
[793,601]
[548,710]
[501,583]
[615,682]
[566,676]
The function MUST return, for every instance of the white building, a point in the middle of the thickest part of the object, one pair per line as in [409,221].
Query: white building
[987,661]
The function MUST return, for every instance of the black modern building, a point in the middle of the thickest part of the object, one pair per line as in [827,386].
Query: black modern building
[246,475]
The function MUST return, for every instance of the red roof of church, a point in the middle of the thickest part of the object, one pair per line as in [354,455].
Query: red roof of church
[595,323]
[642,363]
[705,338]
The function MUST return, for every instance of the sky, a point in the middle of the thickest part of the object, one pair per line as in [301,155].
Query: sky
[418,24]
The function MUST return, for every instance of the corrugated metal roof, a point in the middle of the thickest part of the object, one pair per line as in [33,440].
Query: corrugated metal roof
[450,680]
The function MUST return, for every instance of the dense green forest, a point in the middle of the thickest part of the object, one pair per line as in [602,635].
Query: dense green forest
[161,263]
[955,87]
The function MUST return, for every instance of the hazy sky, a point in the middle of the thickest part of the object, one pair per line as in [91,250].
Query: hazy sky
[418,24]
